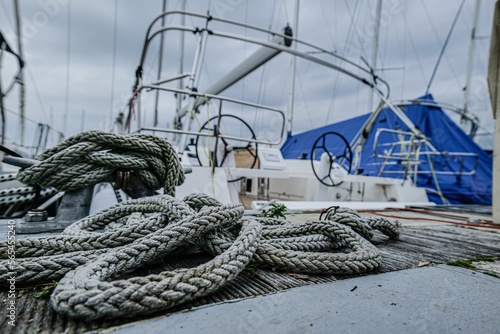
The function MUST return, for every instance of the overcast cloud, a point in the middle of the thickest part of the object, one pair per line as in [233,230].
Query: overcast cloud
[410,39]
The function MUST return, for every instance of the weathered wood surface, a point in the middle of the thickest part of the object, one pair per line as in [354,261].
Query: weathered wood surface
[437,244]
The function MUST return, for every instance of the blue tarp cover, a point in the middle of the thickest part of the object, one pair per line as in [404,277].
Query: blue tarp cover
[444,135]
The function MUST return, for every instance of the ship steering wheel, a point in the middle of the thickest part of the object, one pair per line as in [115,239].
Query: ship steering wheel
[340,154]
[229,125]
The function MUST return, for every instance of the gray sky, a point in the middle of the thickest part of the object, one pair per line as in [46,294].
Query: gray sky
[411,36]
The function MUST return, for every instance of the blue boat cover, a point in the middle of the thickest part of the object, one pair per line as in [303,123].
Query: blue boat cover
[444,135]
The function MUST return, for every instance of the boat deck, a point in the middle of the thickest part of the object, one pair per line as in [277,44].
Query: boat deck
[422,243]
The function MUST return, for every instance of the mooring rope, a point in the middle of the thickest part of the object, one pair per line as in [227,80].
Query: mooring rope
[92,254]
[88,157]
[88,262]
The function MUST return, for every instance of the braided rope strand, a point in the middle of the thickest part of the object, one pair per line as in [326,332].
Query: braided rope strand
[97,299]
[88,262]
[88,157]
[91,255]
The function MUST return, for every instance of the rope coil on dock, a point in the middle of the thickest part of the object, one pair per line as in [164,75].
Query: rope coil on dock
[92,254]
[88,263]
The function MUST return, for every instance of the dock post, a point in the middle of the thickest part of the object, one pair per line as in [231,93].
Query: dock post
[493,85]
[496,173]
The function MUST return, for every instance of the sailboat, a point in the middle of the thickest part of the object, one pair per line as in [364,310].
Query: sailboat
[140,269]
[212,152]
[382,157]
[427,146]
[241,151]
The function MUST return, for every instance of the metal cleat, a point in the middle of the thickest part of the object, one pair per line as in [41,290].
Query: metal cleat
[36,215]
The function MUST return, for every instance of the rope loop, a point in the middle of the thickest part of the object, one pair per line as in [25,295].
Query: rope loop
[88,157]
[92,254]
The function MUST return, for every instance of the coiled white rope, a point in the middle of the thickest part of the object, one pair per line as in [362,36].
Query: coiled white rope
[88,157]
[92,254]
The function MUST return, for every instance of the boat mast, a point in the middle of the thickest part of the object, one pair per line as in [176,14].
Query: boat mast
[493,86]
[374,52]
[21,75]
[68,68]
[443,49]
[180,70]
[294,61]
[160,62]
[113,66]
[469,64]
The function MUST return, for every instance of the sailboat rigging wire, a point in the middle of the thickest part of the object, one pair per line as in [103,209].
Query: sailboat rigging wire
[264,68]
[401,43]
[261,94]
[444,46]
[205,68]
[113,64]
[37,94]
[323,12]
[7,16]
[436,35]
[414,49]
[305,102]
[286,12]
[271,16]
[352,15]
[244,54]
[33,121]
[68,66]
[337,77]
